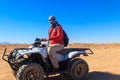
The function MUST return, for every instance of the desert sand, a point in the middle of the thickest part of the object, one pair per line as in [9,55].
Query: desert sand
[103,64]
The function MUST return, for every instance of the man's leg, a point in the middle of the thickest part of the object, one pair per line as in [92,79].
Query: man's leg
[52,54]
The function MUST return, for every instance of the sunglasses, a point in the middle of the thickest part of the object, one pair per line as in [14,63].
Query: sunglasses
[51,20]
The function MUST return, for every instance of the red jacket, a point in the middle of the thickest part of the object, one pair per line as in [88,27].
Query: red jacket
[55,35]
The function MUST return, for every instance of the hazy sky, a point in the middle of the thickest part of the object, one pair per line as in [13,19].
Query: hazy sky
[86,21]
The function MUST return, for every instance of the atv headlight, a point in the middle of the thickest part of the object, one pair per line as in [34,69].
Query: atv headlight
[25,56]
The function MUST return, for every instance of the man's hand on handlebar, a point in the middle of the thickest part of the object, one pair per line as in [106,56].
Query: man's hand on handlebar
[47,39]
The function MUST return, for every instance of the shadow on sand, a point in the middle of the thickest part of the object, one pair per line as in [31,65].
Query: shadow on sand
[103,76]
[92,76]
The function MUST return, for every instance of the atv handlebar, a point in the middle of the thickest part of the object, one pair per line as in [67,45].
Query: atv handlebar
[40,39]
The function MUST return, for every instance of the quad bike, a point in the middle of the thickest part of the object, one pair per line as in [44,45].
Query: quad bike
[33,63]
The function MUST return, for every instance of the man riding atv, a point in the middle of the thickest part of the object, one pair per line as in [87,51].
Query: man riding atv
[55,38]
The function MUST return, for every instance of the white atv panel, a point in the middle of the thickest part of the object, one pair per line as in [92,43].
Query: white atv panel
[41,51]
[69,55]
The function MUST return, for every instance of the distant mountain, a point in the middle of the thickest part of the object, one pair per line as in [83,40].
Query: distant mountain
[4,43]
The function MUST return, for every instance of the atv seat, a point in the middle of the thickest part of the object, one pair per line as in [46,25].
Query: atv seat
[67,50]
[69,53]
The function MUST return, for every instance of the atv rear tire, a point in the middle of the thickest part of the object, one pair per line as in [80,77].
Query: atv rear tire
[30,71]
[78,69]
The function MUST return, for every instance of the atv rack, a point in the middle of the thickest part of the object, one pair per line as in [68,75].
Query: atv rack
[7,60]
[3,56]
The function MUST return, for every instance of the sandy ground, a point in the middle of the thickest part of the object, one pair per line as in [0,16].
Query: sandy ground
[103,64]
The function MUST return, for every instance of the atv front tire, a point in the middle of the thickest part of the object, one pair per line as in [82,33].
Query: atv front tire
[30,71]
[78,69]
